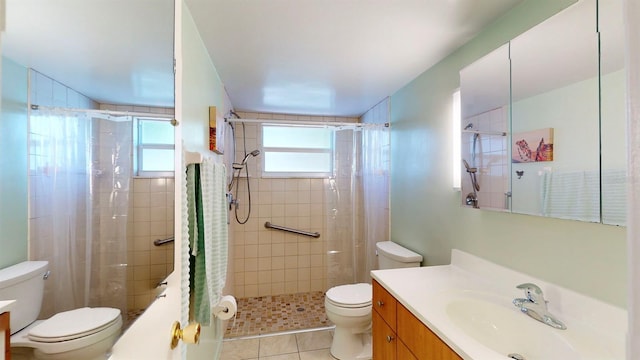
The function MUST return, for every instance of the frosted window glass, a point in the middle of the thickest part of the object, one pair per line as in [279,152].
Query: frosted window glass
[296,137]
[157,159]
[297,162]
[156,132]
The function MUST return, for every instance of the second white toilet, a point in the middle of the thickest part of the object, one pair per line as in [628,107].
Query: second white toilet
[80,334]
[349,306]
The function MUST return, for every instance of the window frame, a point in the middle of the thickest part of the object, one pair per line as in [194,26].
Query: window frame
[138,160]
[302,150]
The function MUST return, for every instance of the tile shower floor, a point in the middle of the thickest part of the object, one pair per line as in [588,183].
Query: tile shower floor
[273,314]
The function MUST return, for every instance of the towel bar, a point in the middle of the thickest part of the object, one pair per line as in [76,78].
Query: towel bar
[269,225]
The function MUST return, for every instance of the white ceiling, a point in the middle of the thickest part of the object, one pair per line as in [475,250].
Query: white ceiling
[329,57]
[113,51]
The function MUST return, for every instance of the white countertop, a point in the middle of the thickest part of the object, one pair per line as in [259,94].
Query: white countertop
[6,305]
[422,291]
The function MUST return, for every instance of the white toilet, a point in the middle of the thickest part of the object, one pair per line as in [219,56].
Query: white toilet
[81,334]
[349,306]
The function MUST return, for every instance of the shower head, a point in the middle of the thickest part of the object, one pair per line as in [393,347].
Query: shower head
[470,169]
[472,175]
[240,165]
[254,153]
[469,126]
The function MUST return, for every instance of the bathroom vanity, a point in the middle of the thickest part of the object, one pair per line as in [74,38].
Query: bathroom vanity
[5,332]
[398,334]
[466,310]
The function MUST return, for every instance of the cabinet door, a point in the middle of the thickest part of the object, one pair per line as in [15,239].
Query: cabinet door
[420,340]
[385,304]
[403,352]
[384,339]
[5,336]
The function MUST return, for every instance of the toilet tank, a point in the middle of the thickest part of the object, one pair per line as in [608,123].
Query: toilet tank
[24,283]
[392,256]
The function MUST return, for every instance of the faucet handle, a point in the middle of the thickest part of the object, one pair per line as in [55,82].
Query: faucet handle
[532,292]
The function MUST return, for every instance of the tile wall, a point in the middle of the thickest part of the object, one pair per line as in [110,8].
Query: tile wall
[151,209]
[492,159]
[269,262]
[45,91]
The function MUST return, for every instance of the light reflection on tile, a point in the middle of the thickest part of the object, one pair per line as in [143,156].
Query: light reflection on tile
[314,340]
[281,347]
[240,349]
[277,345]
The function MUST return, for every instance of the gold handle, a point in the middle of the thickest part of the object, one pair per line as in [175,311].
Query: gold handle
[380,303]
[190,334]
[389,338]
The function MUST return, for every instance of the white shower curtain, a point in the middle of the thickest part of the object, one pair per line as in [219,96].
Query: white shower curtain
[357,203]
[343,208]
[375,185]
[79,181]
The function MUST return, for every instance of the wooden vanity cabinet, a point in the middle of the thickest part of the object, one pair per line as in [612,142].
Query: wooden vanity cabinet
[398,334]
[4,330]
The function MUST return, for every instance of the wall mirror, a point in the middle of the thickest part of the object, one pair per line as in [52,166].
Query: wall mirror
[566,133]
[613,112]
[98,55]
[555,123]
[485,115]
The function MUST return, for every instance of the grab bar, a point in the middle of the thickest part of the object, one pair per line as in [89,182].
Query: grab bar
[269,225]
[159,242]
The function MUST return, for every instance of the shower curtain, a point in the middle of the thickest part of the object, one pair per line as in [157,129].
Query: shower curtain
[357,203]
[375,186]
[79,181]
[343,209]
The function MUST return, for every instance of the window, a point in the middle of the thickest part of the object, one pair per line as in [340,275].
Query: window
[297,151]
[154,155]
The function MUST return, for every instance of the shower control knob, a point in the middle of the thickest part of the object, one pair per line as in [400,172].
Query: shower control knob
[380,303]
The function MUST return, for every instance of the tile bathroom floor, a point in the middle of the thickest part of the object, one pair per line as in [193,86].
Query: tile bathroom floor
[273,314]
[308,345]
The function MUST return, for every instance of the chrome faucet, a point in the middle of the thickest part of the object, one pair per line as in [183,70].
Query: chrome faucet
[535,306]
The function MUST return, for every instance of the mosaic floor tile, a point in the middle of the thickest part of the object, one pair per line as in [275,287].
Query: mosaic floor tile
[278,313]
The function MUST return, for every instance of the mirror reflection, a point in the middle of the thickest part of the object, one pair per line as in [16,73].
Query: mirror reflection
[613,118]
[567,144]
[554,134]
[97,95]
[484,88]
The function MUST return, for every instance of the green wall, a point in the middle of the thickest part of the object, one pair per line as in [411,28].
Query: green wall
[13,164]
[426,215]
[201,88]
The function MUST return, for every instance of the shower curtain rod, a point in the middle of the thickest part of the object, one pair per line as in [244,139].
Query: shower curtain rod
[480,132]
[306,122]
[107,112]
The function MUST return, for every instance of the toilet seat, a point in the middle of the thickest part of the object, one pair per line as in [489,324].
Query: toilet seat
[86,337]
[350,296]
[74,324]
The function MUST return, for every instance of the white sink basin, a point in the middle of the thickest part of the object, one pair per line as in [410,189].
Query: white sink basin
[468,304]
[507,331]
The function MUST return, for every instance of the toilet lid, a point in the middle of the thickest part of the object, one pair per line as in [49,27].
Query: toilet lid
[353,295]
[74,324]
